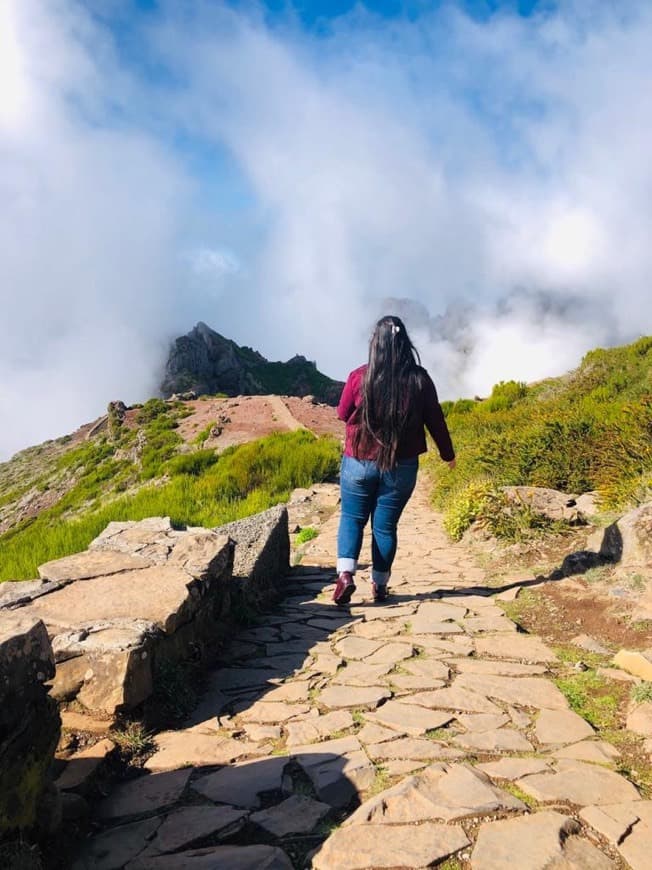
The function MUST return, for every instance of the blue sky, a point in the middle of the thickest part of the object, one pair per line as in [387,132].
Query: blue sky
[288,173]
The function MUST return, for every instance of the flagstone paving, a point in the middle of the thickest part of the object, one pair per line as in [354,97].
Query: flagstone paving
[385,736]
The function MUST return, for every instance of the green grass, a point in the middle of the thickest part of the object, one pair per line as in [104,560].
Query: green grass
[589,430]
[642,692]
[592,697]
[306,534]
[202,490]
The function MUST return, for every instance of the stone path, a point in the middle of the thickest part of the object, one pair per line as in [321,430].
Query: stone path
[389,736]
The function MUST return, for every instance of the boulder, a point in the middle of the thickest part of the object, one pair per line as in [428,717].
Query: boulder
[628,541]
[553,504]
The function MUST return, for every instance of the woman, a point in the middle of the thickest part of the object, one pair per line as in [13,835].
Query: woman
[385,405]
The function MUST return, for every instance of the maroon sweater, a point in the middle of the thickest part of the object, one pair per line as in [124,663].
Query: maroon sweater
[413,439]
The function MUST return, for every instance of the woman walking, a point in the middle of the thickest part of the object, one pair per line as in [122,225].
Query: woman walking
[385,405]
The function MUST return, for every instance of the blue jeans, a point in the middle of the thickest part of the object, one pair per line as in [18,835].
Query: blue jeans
[367,492]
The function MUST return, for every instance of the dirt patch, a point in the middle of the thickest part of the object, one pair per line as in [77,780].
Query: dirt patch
[244,418]
[559,611]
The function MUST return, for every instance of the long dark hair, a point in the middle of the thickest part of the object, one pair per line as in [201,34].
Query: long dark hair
[391,383]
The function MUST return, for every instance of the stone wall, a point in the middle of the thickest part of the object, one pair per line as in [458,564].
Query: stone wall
[29,720]
[144,596]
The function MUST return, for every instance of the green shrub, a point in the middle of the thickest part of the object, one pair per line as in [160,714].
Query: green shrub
[589,430]
[192,463]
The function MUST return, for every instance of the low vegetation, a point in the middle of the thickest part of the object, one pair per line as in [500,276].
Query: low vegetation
[589,430]
[143,474]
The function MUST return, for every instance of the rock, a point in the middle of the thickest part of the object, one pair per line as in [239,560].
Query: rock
[82,766]
[427,667]
[349,696]
[514,768]
[361,674]
[579,783]
[637,663]
[262,556]
[561,726]
[590,644]
[83,566]
[515,647]
[390,654]
[242,783]
[441,792]
[497,740]
[406,846]
[639,718]
[147,794]
[628,541]
[531,842]
[296,815]
[500,668]
[455,698]
[526,691]
[408,718]
[550,502]
[410,748]
[216,858]
[182,748]
[357,647]
[318,727]
[264,712]
[187,825]
[114,848]
[628,826]
[482,721]
[594,751]
[338,769]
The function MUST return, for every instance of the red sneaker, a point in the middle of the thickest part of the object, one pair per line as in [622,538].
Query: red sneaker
[380,592]
[344,589]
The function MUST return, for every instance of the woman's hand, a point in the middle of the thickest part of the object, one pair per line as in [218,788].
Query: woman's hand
[452,463]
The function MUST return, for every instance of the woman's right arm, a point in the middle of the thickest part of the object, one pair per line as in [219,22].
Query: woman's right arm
[435,422]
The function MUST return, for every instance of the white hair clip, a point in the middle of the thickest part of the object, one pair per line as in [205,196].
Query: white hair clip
[395,328]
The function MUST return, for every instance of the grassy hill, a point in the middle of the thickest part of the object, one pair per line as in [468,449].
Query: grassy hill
[129,473]
[588,430]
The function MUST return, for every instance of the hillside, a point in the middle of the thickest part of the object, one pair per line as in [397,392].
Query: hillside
[589,430]
[201,462]
[205,362]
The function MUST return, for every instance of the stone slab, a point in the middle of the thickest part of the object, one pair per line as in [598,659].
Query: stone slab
[82,566]
[525,691]
[147,794]
[637,663]
[218,858]
[193,748]
[495,740]
[514,768]
[117,846]
[242,783]
[187,825]
[405,846]
[456,698]
[531,842]
[581,784]
[83,765]
[441,792]
[561,727]
[408,718]
[339,697]
[297,815]
[594,751]
[516,647]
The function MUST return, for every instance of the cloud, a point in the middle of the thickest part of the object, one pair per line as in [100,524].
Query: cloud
[489,179]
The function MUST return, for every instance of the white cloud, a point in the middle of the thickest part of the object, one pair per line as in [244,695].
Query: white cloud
[494,173]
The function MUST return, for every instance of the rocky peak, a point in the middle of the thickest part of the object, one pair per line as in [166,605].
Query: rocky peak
[207,363]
